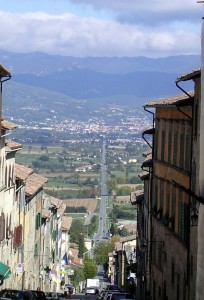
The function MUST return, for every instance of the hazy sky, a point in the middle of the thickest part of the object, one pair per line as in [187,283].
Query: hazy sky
[155,28]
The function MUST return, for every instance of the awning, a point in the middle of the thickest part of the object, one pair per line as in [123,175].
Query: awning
[5,271]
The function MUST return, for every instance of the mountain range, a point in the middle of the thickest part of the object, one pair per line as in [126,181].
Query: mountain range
[91,80]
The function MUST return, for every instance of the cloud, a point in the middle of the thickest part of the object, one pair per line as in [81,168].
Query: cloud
[71,35]
[148,12]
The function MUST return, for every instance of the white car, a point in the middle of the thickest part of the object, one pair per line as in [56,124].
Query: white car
[92,290]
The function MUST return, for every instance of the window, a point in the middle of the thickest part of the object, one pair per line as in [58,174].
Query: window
[188,149]
[175,149]
[167,196]
[169,146]
[161,196]
[155,194]
[163,145]
[182,150]
[38,221]
[183,217]
[156,143]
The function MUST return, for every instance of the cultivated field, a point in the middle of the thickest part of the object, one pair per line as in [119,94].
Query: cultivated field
[90,204]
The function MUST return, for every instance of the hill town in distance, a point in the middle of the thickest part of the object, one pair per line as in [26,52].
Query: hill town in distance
[87,95]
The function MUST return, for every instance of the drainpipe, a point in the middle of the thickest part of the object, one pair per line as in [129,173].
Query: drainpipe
[200,253]
[150,194]
[1,88]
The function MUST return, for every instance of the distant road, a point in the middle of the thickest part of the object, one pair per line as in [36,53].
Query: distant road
[102,231]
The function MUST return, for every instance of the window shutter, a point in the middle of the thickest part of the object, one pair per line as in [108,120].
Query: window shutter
[2,227]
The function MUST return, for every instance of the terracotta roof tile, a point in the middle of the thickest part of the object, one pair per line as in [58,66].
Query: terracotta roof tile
[8,125]
[55,202]
[34,182]
[118,246]
[191,75]
[22,172]
[66,223]
[4,72]
[46,213]
[13,145]
[131,227]
[179,99]
[128,238]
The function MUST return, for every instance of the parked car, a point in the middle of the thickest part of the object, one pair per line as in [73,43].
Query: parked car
[69,287]
[109,293]
[60,295]
[51,296]
[17,294]
[92,290]
[40,295]
[102,294]
[120,296]
[112,287]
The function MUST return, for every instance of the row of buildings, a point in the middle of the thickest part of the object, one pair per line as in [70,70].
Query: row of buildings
[168,207]
[34,231]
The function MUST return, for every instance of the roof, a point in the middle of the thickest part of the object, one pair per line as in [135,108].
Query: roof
[34,182]
[8,125]
[144,175]
[46,213]
[13,145]
[149,131]
[118,246]
[22,172]
[55,202]
[191,75]
[148,161]
[131,227]
[73,258]
[4,72]
[61,209]
[137,197]
[66,223]
[181,99]
[128,238]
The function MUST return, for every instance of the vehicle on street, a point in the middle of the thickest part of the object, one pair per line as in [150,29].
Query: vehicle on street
[120,296]
[69,288]
[92,290]
[17,294]
[39,294]
[112,287]
[60,295]
[92,282]
[102,294]
[51,296]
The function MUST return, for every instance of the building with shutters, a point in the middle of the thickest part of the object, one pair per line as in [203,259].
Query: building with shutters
[167,214]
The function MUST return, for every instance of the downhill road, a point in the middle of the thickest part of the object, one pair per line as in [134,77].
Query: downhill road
[102,231]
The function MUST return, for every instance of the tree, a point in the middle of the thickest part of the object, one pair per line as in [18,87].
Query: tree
[44,158]
[90,268]
[102,250]
[81,244]
[78,275]
[111,185]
